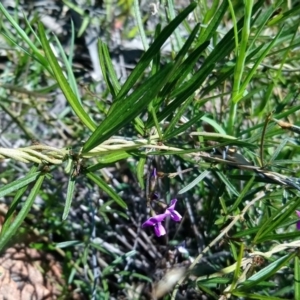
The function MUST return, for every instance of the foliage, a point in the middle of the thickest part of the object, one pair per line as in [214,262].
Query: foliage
[216,117]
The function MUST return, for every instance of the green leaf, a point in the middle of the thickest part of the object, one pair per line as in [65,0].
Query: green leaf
[178,67]
[156,59]
[279,236]
[256,65]
[276,220]
[108,159]
[285,15]
[297,277]
[108,190]
[207,33]
[84,24]
[6,236]
[242,194]
[152,51]
[17,199]
[179,75]
[128,109]
[229,72]
[63,83]
[241,52]
[68,244]
[230,187]
[267,272]
[70,194]
[37,55]
[249,296]
[194,182]
[183,127]
[68,63]
[181,111]
[18,184]
[140,171]
[236,273]
[208,291]
[213,281]
[222,49]
[108,71]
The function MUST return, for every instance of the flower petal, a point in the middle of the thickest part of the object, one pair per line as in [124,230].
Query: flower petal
[298,225]
[154,173]
[159,229]
[175,216]
[172,205]
[154,220]
[298,213]
[153,180]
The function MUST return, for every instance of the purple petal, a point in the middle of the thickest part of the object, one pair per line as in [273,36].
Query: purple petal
[154,220]
[175,216]
[153,180]
[154,173]
[159,229]
[172,205]
[298,223]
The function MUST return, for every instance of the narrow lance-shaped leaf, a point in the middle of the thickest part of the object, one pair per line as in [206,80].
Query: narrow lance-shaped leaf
[107,70]
[63,83]
[18,184]
[178,67]
[109,159]
[140,171]
[257,63]
[20,191]
[70,194]
[37,55]
[183,127]
[152,51]
[268,271]
[214,23]
[7,235]
[275,220]
[194,182]
[108,190]
[128,109]
[222,49]
[297,277]
[254,296]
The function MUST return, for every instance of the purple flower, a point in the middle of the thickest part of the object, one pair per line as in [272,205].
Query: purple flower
[154,173]
[153,180]
[298,222]
[156,220]
[175,216]
[159,229]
